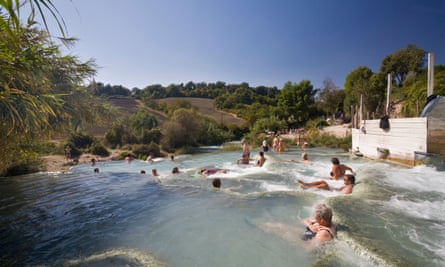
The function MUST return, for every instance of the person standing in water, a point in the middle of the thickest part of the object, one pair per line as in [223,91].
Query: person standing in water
[246,149]
[260,162]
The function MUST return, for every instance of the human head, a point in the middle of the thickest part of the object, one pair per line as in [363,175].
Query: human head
[175,170]
[216,183]
[304,156]
[350,178]
[96,169]
[323,214]
[335,161]
[142,172]
[154,172]
[261,153]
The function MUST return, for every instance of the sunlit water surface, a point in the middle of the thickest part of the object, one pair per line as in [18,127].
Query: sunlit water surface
[120,217]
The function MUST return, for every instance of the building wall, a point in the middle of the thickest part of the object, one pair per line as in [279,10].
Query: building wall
[405,136]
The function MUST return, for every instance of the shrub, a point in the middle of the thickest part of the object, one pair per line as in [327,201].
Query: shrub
[141,151]
[327,140]
[80,140]
[100,150]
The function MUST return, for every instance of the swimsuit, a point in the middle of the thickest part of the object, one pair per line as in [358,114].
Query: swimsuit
[308,234]
[212,171]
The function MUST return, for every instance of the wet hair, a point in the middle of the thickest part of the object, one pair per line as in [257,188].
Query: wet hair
[175,170]
[216,183]
[335,161]
[304,156]
[96,169]
[350,178]
[322,211]
[142,171]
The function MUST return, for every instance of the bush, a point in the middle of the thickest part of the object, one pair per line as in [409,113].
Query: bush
[80,140]
[142,151]
[100,150]
[327,140]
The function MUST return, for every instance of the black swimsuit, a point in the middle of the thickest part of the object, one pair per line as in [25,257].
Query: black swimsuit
[308,234]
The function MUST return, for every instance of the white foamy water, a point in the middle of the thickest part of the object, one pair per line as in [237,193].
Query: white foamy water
[393,218]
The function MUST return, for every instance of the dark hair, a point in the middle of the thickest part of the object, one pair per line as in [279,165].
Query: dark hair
[175,170]
[261,153]
[96,169]
[216,183]
[335,161]
[142,171]
[351,178]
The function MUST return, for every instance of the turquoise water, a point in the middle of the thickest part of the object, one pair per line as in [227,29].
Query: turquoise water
[119,216]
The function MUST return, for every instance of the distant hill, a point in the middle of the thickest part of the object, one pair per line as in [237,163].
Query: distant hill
[207,108]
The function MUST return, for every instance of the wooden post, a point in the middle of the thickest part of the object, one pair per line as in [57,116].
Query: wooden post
[430,87]
[388,93]
[361,111]
[352,117]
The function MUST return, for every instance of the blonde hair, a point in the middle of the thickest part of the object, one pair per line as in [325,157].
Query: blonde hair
[324,212]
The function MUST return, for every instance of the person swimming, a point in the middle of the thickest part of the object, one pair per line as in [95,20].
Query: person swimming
[211,171]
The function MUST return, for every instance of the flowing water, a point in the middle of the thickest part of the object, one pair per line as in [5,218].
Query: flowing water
[121,217]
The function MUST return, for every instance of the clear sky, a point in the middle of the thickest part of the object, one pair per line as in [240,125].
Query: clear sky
[262,42]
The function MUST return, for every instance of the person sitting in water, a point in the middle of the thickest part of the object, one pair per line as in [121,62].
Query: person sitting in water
[129,158]
[154,172]
[216,183]
[260,162]
[207,172]
[320,228]
[304,157]
[245,159]
[348,179]
[338,170]
[150,158]
[175,170]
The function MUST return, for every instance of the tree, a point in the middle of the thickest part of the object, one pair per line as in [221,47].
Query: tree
[296,100]
[36,82]
[357,83]
[402,62]
[330,98]
[182,129]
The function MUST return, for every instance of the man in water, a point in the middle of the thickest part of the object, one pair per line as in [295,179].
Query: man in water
[348,180]
[338,170]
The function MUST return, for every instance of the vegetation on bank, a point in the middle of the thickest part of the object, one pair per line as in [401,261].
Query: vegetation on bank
[44,96]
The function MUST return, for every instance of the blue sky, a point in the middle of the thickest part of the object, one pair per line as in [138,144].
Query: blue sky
[143,42]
